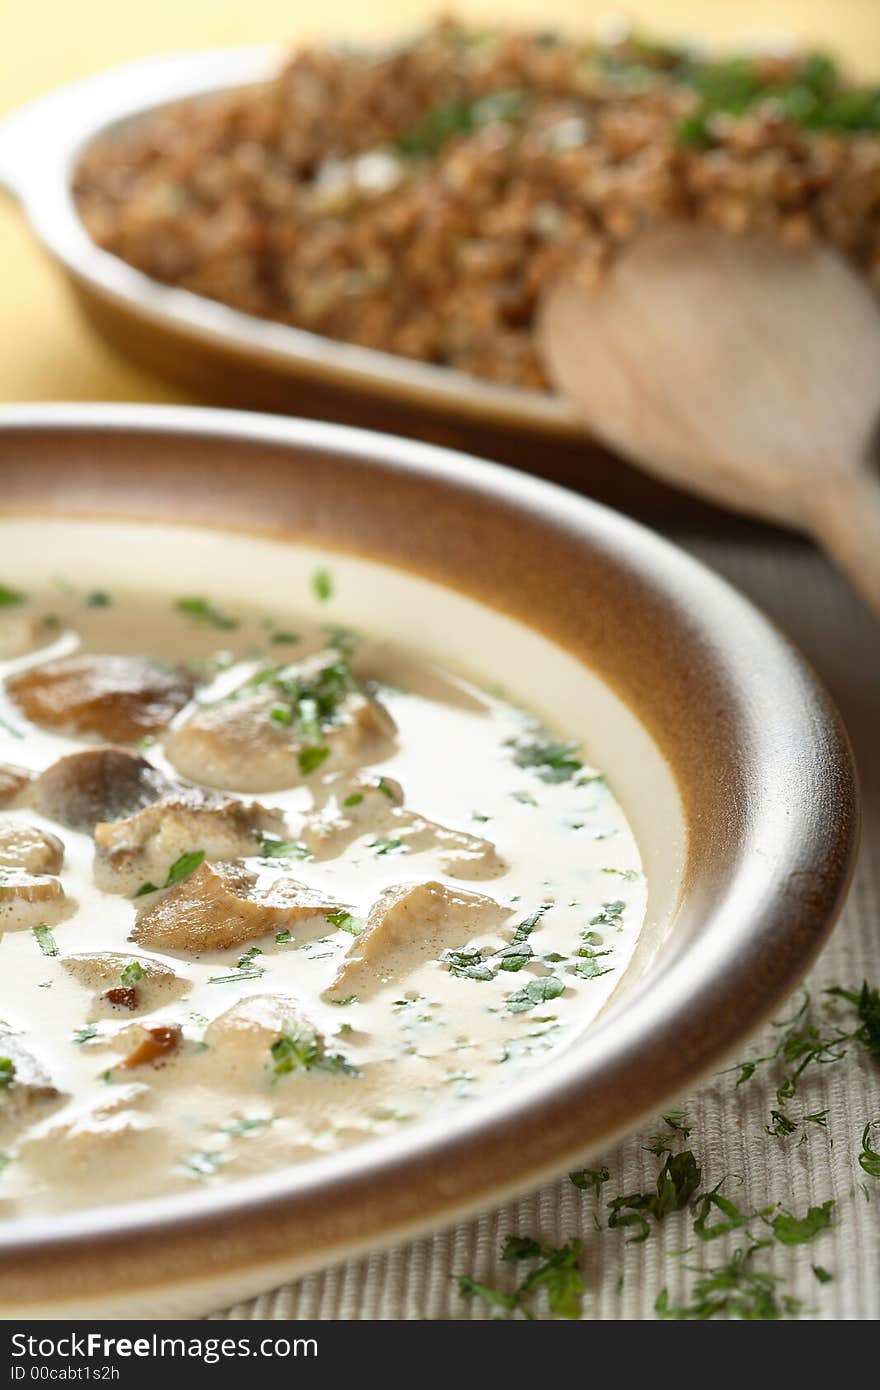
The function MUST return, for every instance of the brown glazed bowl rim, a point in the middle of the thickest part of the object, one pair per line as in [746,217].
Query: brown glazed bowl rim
[761,759]
[40,145]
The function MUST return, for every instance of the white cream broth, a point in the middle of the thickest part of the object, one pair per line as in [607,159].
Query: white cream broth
[360,1010]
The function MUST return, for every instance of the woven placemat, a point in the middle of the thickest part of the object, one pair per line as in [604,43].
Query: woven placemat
[814,606]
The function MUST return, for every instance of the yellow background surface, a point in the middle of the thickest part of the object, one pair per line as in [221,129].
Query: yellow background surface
[46,353]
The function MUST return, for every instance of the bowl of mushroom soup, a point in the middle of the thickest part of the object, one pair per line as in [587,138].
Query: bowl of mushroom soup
[381,832]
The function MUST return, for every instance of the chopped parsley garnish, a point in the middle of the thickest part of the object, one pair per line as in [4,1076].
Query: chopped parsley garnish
[132,974]
[7,1073]
[247,1124]
[284,638]
[300,1049]
[475,964]
[45,940]
[535,992]
[548,759]
[556,1271]
[322,585]
[283,938]
[98,599]
[382,846]
[9,597]
[310,759]
[246,968]
[273,848]
[867,1006]
[468,965]
[245,961]
[84,1035]
[611,914]
[181,869]
[803,1043]
[344,921]
[201,610]
[353,799]
[309,702]
[678,1180]
[822,1275]
[677,1129]
[734,1290]
[590,1179]
[799,1230]
[869,1158]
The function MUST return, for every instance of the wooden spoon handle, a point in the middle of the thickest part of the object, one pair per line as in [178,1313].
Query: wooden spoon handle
[846,521]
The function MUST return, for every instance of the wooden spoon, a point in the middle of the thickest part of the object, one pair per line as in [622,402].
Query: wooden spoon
[737,368]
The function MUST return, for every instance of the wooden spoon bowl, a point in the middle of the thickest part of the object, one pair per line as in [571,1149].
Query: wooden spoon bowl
[741,369]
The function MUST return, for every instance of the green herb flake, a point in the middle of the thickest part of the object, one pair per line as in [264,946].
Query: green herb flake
[821,1274]
[343,920]
[98,598]
[468,965]
[181,869]
[273,848]
[310,759]
[281,713]
[548,759]
[611,914]
[322,585]
[590,1179]
[300,1049]
[678,1180]
[794,1230]
[535,992]
[734,1290]
[7,1073]
[869,1158]
[45,940]
[353,799]
[247,1124]
[677,1129]
[556,1272]
[132,974]
[10,597]
[84,1035]
[382,846]
[201,610]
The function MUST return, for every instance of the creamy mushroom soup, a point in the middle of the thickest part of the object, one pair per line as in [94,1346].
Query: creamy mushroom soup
[270,886]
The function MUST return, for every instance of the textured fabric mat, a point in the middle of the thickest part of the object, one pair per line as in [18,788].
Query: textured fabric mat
[814,606]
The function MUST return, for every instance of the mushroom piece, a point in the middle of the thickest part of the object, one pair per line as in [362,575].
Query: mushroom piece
[26,1091]
[13,781]
[119,698]
[407,925]
[98,784]
[218,906]
[119,981]
[29,900]
[26,847]
[99,1148]
[282,727]
[142,848]
[368,804]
